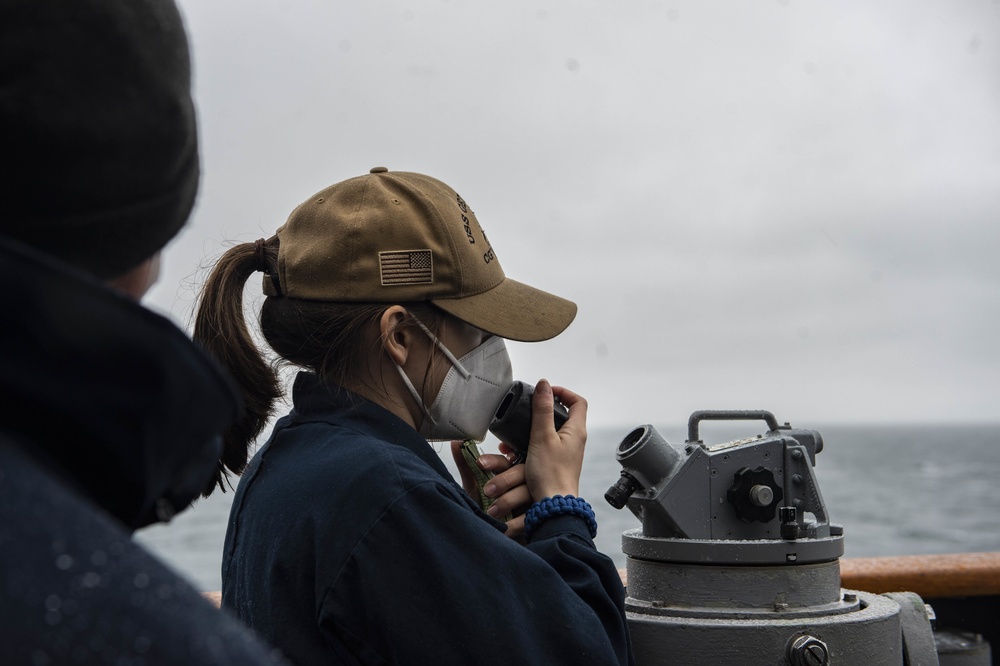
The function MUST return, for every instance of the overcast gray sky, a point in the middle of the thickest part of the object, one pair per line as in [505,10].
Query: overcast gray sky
[785,205]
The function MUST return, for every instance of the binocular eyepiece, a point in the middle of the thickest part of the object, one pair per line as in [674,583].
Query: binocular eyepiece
[512,422]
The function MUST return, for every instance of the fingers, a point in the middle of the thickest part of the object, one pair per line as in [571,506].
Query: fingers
[506,488]
[555,458]
[514,502]
[494,462]
[576,403]
[542,407]
[515,527]
[508,492]
[542,427]
[575,426]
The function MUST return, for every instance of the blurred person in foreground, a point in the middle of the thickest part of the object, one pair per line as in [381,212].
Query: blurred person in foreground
[111,416]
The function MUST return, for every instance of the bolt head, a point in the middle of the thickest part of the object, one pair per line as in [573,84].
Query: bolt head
[807,651]
[761,495]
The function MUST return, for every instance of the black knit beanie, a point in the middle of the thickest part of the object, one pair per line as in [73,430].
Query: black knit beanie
[98,129]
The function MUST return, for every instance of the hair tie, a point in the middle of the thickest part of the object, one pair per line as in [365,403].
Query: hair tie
[260,264]
[259,258]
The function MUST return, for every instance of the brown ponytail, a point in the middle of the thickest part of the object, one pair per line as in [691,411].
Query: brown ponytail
[334,340]
[220,326]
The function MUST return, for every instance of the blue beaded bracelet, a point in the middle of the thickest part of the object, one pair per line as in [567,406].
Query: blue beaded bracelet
[557,506]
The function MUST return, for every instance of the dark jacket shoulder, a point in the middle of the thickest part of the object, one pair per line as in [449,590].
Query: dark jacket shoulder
[108,395]
[109,420]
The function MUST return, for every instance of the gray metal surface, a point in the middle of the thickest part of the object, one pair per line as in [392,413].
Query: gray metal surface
[720,551]
[962,648]
[737,561]
[729,509]
[914,622]
[661,588]
[868,636]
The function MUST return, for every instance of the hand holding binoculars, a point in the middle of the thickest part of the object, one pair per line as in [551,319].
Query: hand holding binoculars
[512,422]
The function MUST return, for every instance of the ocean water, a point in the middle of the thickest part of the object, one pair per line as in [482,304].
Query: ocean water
[896,489]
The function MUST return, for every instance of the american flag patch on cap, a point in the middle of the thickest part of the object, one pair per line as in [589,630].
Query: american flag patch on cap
[406,267]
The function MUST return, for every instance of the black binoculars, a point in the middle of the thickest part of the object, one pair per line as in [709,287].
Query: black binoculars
[512,422]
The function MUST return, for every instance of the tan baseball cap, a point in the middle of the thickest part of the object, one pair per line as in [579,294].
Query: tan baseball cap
[393,237]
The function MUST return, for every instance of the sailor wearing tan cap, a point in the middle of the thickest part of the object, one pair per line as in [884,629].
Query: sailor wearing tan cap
[348,539]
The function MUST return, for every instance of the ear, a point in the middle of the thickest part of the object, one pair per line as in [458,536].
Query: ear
[397,339]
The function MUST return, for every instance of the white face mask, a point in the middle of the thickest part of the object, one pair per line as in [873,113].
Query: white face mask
[470,394]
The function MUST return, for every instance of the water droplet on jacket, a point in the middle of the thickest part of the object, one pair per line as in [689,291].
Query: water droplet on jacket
[141,580]
[64,562]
